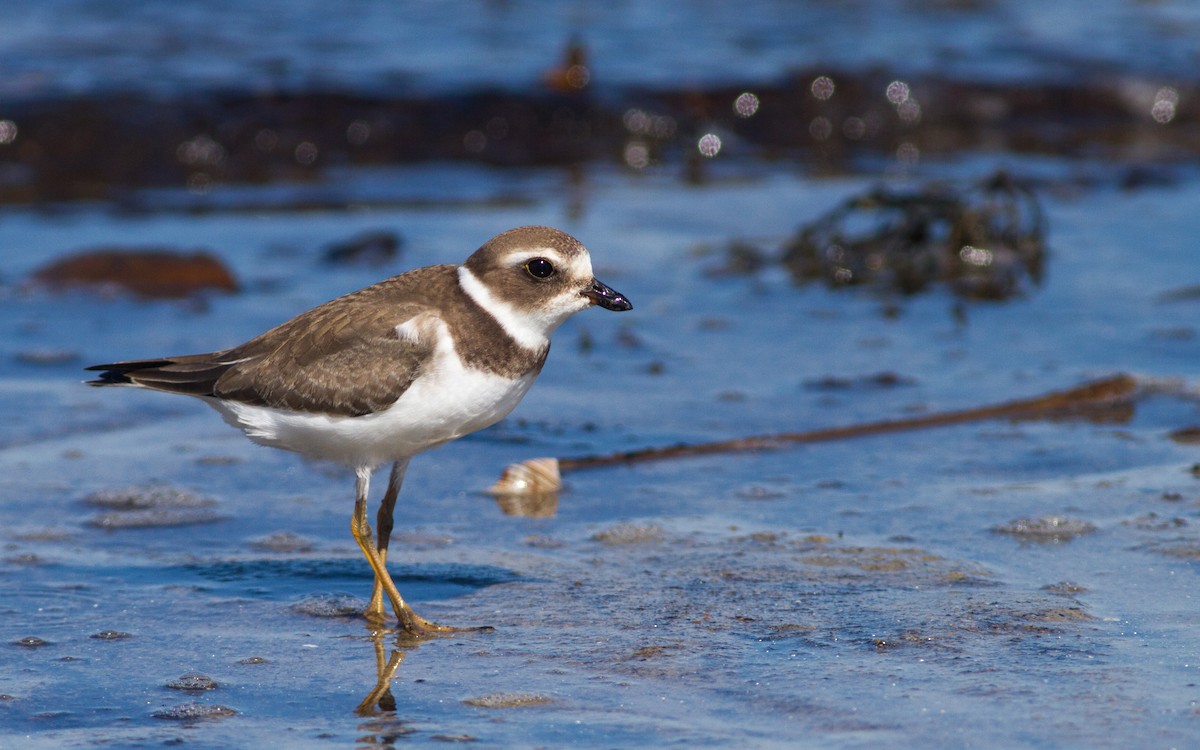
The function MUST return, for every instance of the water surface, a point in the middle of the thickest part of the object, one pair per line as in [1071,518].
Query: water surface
[846,595]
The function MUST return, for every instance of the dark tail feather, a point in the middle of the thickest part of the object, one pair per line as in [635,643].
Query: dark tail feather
[195,375]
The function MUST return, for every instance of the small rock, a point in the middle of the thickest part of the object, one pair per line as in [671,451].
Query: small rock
[1046,528]
[628,533]
[140,498]
[283,541]
[111,635]
[1065,588]
[150,507]
[32,641]
[373,248]
[1186,435]
[154,518]
[330,605]
[509,700]
[192,681]
[193,711]
[152,273]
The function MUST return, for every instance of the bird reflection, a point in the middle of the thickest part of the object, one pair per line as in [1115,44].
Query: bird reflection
[382,727]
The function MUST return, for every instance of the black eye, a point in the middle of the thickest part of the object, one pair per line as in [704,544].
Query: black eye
[540,268]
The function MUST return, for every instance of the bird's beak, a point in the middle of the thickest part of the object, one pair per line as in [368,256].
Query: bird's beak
[604,295]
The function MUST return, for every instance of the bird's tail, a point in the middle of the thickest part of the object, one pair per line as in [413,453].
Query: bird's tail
[193,375]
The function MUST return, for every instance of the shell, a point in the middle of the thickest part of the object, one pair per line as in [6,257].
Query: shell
[536,476]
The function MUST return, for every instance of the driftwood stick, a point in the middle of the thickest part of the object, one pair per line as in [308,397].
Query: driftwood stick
[1099,397]
[1097,394]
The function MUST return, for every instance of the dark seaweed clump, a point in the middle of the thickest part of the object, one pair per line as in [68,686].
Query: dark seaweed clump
[985,242]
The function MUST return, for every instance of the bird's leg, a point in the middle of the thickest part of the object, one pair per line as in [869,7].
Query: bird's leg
[361,529]
[383,527]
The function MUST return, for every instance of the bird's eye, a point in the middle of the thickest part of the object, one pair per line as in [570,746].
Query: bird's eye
[540,268]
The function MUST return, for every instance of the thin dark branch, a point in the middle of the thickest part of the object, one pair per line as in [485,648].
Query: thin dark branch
[1096,399]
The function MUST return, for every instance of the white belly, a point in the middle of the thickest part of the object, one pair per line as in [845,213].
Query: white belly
[446,403]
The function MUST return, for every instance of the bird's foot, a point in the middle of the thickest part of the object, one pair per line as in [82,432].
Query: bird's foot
[420,627]
[416,626]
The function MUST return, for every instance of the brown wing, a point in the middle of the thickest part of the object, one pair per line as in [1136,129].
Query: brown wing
[339,366]
[342,358]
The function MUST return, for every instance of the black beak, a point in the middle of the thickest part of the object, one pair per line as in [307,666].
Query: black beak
[604,295]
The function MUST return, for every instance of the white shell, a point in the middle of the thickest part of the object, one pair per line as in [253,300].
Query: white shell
[533,477]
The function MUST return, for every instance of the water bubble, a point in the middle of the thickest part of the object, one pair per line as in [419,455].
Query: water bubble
[820,128]
[358,132]
[897,92]
[1165,102]
[709,144]
[201,150]
[496,128]
[475,141]
[975,256]
[306,153]
[637,155]
[636,121]
[909,111]
[198,183]
[854,128]
[1163,112]
[908,153]
[822,87]
[8,131]
[578,76]
[746,105]
[266,140]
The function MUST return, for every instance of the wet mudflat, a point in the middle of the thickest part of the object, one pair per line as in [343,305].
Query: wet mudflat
[912,588]
[1002,583]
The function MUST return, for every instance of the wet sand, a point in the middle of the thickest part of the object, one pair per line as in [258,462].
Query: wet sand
[995,583]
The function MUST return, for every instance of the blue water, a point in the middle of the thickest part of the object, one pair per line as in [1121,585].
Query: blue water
[845,595]
[79,46]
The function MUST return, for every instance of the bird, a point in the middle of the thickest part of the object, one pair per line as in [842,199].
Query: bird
[392,370]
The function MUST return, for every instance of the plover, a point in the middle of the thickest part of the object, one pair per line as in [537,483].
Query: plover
[394,369]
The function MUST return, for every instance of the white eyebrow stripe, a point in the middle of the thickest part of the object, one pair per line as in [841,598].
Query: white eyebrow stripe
[580,265]
[530,253]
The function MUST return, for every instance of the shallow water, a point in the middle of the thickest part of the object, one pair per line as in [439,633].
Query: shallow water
[836,595]
[851,594]
[301,45]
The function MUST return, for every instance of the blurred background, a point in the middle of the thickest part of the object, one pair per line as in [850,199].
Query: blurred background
[105,101]
[825,213]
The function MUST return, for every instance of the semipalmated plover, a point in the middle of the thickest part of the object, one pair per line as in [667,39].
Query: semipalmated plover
[394,369]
